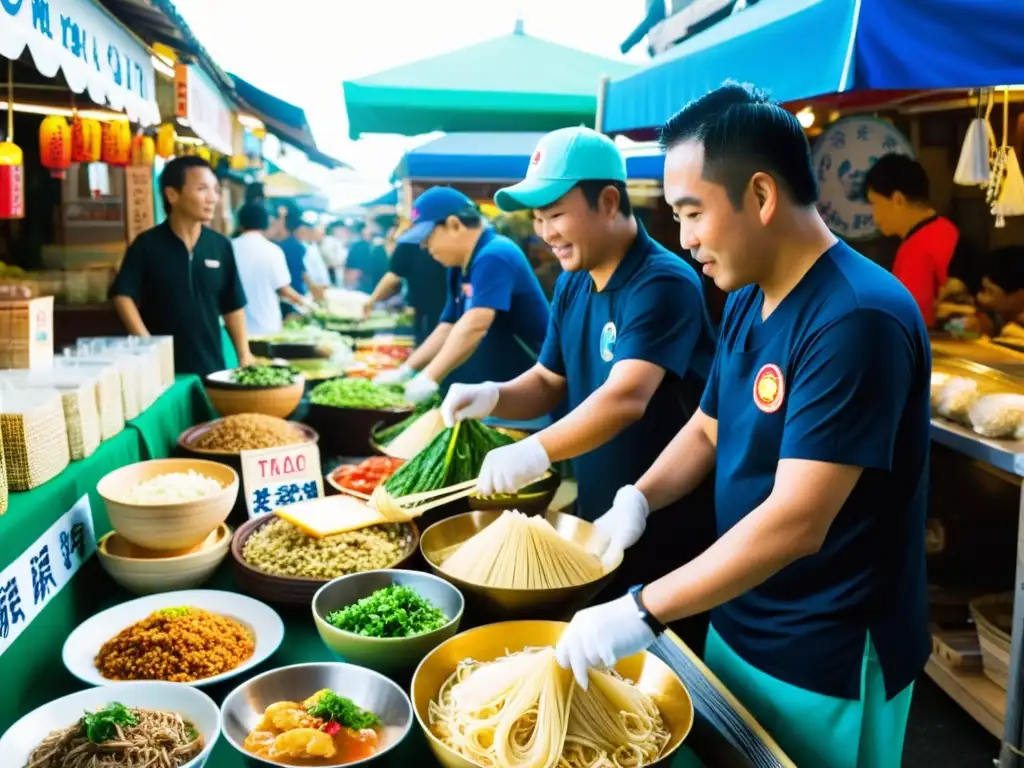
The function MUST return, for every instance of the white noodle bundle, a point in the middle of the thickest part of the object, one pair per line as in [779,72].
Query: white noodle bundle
[521,552]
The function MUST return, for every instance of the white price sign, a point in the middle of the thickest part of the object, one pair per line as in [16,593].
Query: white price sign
[279,477]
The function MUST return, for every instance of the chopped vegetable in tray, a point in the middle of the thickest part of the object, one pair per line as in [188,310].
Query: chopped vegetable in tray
[264,376]
[394,611]
[357,393]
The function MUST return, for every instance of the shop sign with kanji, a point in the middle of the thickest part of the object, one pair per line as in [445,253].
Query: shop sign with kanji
[279,477]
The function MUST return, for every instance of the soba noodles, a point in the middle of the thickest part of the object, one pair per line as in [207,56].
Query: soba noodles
[120,737]
[525,711]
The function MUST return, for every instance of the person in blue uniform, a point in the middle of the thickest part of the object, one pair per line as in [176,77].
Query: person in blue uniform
[630,346]
[816,419]
[495,315]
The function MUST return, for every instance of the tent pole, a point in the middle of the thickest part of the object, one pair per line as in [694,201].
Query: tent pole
[602,95]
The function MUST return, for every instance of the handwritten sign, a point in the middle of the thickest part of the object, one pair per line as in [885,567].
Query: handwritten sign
[277,477]
[28,584]
[138,184]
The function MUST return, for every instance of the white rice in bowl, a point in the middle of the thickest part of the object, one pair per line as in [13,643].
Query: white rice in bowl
[173,488]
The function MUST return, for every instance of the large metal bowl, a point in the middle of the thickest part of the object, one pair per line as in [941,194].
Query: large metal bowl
[439,540]
[243,708]
[651,675]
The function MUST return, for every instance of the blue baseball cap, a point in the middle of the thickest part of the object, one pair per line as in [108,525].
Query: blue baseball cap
[562,159]
[431,208]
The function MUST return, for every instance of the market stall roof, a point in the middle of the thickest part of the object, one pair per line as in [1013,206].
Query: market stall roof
[389,198]
[478,89]
[853,44]
[493,157]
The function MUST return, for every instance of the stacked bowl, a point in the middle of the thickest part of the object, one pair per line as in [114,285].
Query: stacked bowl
[166,538]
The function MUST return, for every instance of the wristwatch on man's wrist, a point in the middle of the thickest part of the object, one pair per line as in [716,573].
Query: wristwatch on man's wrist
[649,618]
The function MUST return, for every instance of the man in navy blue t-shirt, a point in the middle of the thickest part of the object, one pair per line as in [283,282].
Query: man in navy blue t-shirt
[816,419]
[629,346]
[494,319]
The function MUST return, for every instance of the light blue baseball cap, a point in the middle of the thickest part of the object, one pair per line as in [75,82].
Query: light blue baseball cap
[561,160]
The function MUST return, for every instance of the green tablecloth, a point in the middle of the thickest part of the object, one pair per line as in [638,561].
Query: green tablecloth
[31,668]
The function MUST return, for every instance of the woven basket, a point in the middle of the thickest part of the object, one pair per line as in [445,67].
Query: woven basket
[993,618]
[82,419]
[35,438]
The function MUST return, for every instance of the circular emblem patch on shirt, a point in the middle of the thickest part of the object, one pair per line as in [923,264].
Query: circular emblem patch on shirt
[769,388]
[607,344]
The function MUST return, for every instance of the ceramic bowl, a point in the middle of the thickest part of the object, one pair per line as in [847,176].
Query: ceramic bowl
[230,398]
[145,571]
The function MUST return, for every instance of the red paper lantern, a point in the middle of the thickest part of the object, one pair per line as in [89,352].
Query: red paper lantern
[117,143]
[86,140]
[143,151]
[55,145]
[12,186]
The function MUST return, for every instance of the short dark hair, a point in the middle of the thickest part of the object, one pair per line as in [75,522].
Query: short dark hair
[592,189]
[176,172]
[253,217]
[743,132]
[470,218]
[894,173]
[292,216]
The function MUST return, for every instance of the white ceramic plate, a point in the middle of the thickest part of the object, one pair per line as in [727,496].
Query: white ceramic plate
[195,706]
[82,645]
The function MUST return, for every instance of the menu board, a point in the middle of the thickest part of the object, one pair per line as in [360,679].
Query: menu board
[138,192]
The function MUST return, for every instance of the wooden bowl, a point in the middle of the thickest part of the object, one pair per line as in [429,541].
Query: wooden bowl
[650,674]
[167,527]
[187,443]
[346,431]
[144,571]
[230,398]
[291,590]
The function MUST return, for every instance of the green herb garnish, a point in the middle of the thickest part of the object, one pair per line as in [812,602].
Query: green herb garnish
[337,709]
[173,613]
[394,611]
[101,726]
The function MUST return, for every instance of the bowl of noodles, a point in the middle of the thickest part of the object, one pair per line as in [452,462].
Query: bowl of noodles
[496,692]
[127,725]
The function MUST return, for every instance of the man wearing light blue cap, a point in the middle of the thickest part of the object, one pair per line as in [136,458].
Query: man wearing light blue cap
[495,316]
[630,345]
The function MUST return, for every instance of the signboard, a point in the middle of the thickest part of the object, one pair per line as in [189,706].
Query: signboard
[197,100]
[842,156]
[277,477]
[27,584]
[88,46]
[138,192]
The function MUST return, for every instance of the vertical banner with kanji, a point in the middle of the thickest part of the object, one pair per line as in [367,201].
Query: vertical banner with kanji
[277,477]
[138,191]
[27,584]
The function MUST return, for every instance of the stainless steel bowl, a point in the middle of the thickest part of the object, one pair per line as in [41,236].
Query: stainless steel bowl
[244,706]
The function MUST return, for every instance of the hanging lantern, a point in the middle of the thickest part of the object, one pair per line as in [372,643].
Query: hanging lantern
[117,143]
[165,139]
[143,150]
[55,145]
[204,153]
[239,163]
[12,187]
[86,140]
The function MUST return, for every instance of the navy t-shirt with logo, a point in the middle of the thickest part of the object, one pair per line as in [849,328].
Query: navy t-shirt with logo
[840,373]
[498,277]
[653,310]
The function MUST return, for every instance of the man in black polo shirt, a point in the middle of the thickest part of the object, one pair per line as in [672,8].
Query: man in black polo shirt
[179,278]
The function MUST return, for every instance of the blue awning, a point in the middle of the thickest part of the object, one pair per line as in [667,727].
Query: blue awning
[493,157]
[800,49]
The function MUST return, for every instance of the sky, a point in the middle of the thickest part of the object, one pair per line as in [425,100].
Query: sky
[302,50]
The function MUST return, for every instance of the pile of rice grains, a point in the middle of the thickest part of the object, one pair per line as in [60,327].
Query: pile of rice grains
[179,645]
[249,432]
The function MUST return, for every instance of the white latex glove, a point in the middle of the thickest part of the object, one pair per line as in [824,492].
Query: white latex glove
[600,636]
[625,522]
[420,388]
[469,401]
[509,468]
[398,375]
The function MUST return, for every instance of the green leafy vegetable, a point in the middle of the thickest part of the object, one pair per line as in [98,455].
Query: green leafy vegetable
[265,376]
[338,709]
[394,611]
[101,726]
[357,393]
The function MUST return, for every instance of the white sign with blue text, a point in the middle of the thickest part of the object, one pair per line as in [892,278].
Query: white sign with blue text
[44,569]
[91,49]
[278,477]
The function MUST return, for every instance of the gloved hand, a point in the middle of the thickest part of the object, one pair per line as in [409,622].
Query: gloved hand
[600,636]
[625,522]
[469,401]
[420,388]
[509,468]
[398,375]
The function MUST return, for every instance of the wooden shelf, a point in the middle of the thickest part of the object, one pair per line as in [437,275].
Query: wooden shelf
[976,694]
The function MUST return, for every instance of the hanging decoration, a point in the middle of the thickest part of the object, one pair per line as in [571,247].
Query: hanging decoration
[55,145]
[976,154]
[86,140]
[143,150]
[204,153]
[166,137]
[1005,191]
[117,143]
[12,162]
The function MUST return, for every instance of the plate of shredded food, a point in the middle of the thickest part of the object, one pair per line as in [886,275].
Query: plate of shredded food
[126,725]
[197,637]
